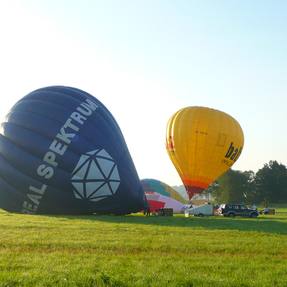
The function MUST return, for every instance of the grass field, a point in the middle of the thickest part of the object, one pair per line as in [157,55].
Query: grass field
[142,251]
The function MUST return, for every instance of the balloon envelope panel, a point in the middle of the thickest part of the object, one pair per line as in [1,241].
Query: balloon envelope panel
[160,195]
[61,151]
[202,143]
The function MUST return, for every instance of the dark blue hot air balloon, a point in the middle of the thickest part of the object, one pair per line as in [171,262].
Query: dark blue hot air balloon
[62,152]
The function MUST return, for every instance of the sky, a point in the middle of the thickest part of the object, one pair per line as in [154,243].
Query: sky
[146,59]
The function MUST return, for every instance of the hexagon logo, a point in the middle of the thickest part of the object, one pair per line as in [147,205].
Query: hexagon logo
[95,176]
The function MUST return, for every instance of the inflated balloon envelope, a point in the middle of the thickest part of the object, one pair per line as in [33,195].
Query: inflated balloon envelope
[160,195]
[202,143]
[62,152]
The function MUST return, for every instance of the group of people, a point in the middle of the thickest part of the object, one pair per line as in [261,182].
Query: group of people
[147,211]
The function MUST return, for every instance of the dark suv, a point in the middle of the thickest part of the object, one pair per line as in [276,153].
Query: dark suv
[232,210]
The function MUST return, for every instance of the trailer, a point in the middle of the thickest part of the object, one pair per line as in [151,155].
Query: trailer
[201,210]
[165,212]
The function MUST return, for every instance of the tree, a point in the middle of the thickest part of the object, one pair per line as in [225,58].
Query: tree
[271,183]
[235,186]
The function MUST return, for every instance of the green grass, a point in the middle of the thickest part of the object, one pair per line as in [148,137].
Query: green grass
[142,251]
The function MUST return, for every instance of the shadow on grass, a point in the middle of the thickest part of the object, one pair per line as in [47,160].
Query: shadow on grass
[261,224]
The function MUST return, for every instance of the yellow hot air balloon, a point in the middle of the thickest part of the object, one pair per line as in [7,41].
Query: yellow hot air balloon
[202,143]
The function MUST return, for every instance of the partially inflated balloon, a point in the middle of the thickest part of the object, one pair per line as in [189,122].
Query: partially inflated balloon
[202,143]
[160,195]
[61,151]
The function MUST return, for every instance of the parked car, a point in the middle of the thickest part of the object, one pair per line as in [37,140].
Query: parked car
[267,210]
[233,210]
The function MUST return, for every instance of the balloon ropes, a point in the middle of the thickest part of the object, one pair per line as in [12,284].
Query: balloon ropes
[62,152]
[202,143]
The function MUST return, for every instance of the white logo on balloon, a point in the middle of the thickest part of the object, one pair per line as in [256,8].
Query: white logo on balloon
[96,176]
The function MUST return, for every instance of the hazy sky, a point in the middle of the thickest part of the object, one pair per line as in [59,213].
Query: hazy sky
[146,59]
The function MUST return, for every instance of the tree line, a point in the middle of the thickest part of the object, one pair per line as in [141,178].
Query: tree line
[267,185]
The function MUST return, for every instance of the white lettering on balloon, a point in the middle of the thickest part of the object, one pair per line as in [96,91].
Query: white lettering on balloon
[57,148]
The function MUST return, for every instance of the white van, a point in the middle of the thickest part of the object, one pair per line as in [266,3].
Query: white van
[201,210]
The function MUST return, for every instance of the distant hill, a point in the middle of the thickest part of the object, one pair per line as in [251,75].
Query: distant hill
[181,190]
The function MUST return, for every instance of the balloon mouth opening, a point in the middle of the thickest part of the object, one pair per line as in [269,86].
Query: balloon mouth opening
[193,190]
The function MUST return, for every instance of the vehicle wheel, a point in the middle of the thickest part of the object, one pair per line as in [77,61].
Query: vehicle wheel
[231,214]
[200,214]
[253,215]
